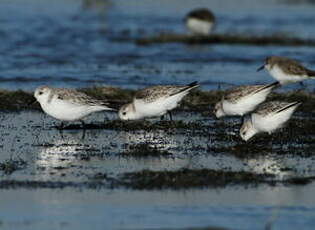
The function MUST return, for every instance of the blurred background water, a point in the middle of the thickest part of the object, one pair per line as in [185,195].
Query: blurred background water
[84,43]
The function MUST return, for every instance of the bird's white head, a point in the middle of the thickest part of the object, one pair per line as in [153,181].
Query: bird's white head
[127,112]
[247,130]
[42,93]
[270,62]
[218,110]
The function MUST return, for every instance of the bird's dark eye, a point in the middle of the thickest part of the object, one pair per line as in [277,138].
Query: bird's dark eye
[124,113]
[40,93]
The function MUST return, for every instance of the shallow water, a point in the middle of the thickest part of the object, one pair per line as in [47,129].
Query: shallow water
[70,157]
[83,43]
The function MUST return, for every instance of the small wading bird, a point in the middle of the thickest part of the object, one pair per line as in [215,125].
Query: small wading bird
[239,101]
[286,70]
[155,101]
[268,117]
[200,21]
[68,104]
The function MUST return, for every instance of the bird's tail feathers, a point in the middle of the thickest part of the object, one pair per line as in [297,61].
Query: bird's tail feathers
[311,73]
[188,87]
[272,85]
[296,104]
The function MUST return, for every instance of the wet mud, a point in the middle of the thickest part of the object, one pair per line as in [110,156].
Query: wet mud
[195,150]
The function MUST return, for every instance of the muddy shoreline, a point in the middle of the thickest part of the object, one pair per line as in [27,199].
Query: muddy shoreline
[197,132]
[197,100]
[159,180]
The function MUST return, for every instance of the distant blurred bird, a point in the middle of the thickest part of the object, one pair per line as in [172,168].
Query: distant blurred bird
[200,21]
[241,100]
[286,70]
[268,117]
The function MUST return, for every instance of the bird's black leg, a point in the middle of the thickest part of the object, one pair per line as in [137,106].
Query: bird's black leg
[62,125]
[83,124]
[105,118]
[61,133]
[170,114]
[83,134]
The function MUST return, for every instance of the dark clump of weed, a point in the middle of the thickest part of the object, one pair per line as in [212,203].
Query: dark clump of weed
[300,180]
[225,39]
[99,176]
[49,184]
[110,93]
[148,126]
[15,100]
[189,178]
[145,150]
[9,166]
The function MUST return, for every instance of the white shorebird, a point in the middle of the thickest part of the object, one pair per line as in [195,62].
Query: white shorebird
[268,117]
[241,100]
[286,70]
[155,101]
[68,104]
[200,21]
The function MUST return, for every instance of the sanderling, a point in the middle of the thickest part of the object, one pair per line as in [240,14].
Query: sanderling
[268,117]
[68,104]
[155,101]
[286,70]
[200,21]
[241,100]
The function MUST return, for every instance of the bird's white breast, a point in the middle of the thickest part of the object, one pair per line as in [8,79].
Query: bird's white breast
[283,77]
[158,107]
[198,26]
[66,111]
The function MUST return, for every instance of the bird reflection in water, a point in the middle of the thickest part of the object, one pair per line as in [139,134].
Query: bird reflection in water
[270,165]
[58,153]
[158,139]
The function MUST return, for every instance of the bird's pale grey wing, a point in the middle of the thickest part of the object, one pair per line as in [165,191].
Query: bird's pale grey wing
[153,93]
[78,98]
[293,67]
[271,107]
[234,94]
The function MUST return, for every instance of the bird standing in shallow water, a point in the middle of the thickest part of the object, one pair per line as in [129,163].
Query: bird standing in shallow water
[155,101]
[268,117]
[286,70]
[68,104]
[241,100]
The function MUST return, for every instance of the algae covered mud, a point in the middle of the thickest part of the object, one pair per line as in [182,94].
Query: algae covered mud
[195,169]
[190,173]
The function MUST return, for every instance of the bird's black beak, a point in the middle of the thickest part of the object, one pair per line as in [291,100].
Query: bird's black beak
[260,68]
[31,102]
